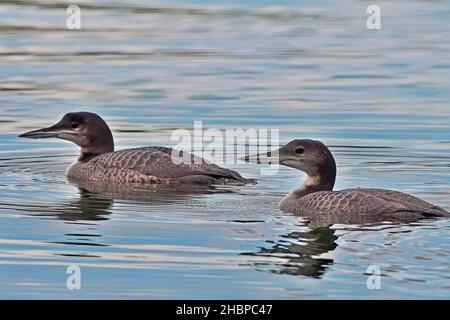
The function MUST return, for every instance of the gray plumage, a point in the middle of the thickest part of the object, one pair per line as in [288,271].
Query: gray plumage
[98,162]
[153,165]
[316,198]
[361,202]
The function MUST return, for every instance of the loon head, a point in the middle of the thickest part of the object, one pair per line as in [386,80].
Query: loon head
[309,156]
[86,129]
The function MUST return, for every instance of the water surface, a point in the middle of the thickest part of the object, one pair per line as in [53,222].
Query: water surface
[379,99]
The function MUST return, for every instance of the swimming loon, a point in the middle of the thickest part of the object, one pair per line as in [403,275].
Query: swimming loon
[98,162]
[316,196]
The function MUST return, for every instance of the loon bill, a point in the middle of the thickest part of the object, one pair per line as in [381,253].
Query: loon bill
[316,197]
[98,162]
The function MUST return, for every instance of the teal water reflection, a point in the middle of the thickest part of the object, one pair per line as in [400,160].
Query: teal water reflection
[379,99]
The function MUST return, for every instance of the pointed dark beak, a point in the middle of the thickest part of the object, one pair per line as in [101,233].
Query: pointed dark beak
[278,156]
[271,157]
[50,132]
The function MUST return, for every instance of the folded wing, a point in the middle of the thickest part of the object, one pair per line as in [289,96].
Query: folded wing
[367,202]
[159,162]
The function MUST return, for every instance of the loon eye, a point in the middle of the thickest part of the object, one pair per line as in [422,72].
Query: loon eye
[74,125]
[299,150]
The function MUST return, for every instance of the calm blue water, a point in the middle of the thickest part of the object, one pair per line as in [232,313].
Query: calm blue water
[379,99]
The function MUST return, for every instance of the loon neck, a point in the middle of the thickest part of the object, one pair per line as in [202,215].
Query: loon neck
[313,184]
[88,153]
[321,179]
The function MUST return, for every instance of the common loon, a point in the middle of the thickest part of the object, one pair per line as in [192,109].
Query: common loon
[316,196]
[98,162]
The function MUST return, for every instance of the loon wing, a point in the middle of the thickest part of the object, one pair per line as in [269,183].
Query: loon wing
[357,202]
[411,202]
[159,162]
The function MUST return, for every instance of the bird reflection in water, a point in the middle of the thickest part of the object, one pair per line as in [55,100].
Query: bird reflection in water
[300,252]
[96,200]
[311,253]
[95,204]
[88,206]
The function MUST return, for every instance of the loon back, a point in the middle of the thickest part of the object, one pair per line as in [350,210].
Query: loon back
[154,165]
[361,202]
